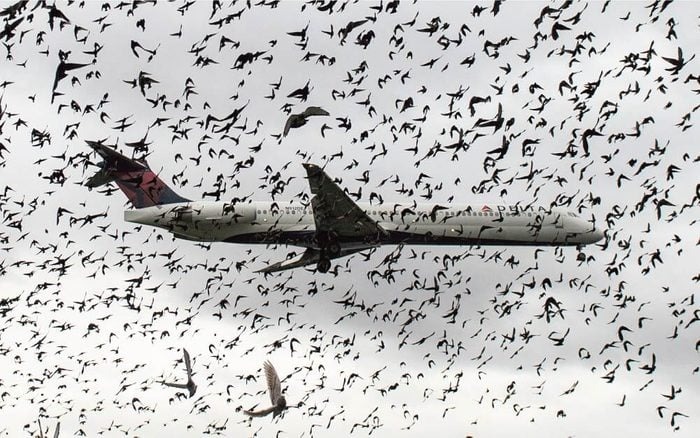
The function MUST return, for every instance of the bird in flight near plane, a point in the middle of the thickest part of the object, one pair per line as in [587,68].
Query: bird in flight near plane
[190,386]
[299,120]
[274,387]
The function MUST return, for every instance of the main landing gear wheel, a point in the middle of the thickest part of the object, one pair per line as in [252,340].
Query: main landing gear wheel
[333,249]
[324,265]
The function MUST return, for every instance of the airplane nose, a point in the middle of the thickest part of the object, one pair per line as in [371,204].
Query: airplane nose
[597,234]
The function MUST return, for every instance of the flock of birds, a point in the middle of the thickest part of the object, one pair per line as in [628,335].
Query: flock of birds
[587,106]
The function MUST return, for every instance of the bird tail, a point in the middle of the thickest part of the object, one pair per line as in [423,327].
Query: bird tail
[260,413]
[138,182]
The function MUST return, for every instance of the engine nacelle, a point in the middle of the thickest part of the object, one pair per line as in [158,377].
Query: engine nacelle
[209,215]
[203,220]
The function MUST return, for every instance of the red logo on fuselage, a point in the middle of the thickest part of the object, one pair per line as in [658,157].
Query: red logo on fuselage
[486,209]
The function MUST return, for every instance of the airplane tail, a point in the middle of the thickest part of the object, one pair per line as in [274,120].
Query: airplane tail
[138,182]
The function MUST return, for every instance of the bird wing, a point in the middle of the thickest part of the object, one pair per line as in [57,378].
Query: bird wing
[68,66]
[260,413]
[288,125]
[273,382]
[187,363]
[175,385]
[315,111]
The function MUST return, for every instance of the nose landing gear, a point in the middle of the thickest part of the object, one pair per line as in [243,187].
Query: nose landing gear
[323,265]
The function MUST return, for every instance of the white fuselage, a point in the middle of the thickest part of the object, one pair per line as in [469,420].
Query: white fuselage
[293,223]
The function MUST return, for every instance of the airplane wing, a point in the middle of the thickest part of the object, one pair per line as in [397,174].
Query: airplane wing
[334,211]
[335,215]
[309,257]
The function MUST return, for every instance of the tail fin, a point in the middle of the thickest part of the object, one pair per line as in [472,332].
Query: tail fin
[138,182]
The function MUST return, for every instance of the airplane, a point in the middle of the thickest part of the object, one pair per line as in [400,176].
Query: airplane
[332,225]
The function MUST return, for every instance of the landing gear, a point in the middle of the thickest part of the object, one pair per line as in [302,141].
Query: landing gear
[329,247]
[323,265]
[333,249]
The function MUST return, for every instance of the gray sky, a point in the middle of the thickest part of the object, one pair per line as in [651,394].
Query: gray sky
[97,368]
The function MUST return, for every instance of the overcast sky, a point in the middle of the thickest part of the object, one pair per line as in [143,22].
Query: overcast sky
[454,341]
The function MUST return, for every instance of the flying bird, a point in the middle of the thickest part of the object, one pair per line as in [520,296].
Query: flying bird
[274,386]
[62,72]
[298,120]
[190,385]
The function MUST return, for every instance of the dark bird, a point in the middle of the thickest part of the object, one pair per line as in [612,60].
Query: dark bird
[301,93]
[9,30]
[135,45]
[62,72]
[345,31]
[145,81]
[677,63]
[298,120]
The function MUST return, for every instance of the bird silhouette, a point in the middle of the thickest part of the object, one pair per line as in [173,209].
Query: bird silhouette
[298,120]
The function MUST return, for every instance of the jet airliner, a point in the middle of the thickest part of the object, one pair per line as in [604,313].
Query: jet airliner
[332,225]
